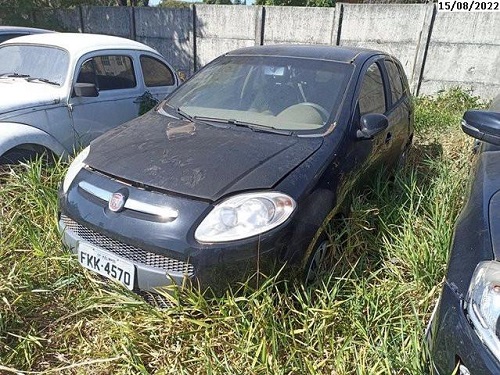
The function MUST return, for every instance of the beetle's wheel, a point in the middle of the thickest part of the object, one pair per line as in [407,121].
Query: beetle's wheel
[318,260]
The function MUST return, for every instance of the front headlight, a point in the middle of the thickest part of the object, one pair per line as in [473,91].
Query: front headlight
[483,304]
[245,215]
[74,168]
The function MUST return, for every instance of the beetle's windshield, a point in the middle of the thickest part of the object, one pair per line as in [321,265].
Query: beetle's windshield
[44,63]
[283,93]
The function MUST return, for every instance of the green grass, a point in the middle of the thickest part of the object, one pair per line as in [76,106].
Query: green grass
[366,316]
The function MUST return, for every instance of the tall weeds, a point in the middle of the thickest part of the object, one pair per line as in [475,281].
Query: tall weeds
[365,316]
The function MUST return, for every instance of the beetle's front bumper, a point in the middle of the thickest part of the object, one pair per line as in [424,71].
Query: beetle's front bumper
[453,342]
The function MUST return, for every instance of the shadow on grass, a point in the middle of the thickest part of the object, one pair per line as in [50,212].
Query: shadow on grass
[357,240]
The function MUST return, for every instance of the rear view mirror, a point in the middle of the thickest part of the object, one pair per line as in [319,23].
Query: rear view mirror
[371,125]
[482,125]
[86,90]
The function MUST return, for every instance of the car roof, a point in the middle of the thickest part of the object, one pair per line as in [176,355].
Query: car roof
[332,53]
[22,29]
[77,43]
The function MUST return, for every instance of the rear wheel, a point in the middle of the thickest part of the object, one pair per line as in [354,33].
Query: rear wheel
[403,157]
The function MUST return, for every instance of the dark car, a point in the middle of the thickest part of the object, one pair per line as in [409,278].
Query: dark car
[238,170]
[464,332]
[9,32]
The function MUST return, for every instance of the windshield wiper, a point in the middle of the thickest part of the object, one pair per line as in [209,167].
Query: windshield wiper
[16,75]
[180,112]
[184,114]
[45,80]
[249,125]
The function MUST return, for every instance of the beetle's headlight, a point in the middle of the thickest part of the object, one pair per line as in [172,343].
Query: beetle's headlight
[483,304]
[245,215]
[74,168]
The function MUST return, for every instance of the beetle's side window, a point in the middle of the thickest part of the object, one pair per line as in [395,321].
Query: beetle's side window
[155,72]
[87,73]
[394,80]
[372,95]
[108,72]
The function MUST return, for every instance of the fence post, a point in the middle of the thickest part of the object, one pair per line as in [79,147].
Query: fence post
[337,23]
[195,25]
[260,25]
[82,24]
[133,30]
[422,48]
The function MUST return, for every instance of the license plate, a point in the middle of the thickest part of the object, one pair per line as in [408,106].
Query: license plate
[106,264]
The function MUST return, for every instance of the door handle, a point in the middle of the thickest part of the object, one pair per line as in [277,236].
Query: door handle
[388,138]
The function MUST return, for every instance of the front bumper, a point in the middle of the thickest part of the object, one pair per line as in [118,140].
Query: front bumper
[154,271]
[453,341]
[164,252]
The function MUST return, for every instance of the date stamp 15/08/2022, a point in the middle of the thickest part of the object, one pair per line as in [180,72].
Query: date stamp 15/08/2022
[468,5]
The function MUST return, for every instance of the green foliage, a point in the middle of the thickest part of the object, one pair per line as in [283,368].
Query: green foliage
[146,102]
[298,3]
[174,4]
[366,315]
[36,13]
[444,110]
[224,2]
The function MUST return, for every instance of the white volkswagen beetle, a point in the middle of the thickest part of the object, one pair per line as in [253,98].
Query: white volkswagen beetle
[60,91]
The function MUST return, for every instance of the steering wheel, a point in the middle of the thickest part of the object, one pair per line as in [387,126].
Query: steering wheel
[324,113]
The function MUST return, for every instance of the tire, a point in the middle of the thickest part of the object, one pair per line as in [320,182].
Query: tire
[18,156]
[403,157]
[318,260]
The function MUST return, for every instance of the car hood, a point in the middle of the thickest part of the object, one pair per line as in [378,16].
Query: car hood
[18,94]
[197,159]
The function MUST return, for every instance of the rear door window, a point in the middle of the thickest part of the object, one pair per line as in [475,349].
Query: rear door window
[394,80]
[156,73]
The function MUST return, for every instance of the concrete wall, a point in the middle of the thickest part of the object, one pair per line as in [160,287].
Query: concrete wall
[299,25]
[438,50]
[464,51]
[399,29]
[116,21]
[169,31]
[222,28]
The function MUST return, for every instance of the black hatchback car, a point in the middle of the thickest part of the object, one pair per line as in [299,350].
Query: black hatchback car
[464,332]
[239,169]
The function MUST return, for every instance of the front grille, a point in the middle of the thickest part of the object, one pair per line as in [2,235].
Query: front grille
[129,252]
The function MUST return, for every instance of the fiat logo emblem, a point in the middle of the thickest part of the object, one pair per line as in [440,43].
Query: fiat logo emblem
[116,202]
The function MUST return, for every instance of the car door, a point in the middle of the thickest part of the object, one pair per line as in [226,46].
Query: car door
[118,90]
[372,98]
[159,78]
[399,108]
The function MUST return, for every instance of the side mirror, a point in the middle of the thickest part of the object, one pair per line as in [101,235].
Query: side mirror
[482,125]
[371,125]
[85,90]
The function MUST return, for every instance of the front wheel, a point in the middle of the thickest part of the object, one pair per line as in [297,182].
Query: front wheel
[317,262]
[18,156]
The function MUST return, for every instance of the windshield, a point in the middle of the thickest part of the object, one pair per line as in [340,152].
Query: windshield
[277,92]
[36,62]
